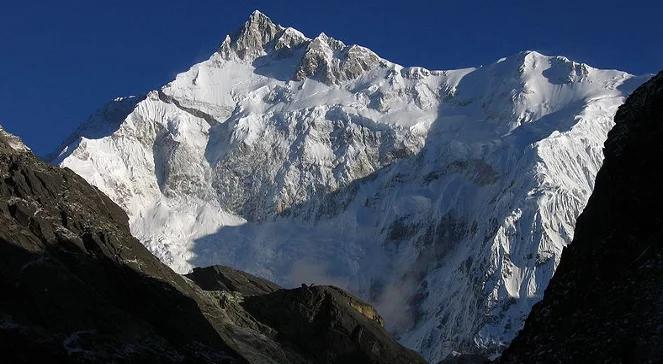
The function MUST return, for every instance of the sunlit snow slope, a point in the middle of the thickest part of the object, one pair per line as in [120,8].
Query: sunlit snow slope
[445,197]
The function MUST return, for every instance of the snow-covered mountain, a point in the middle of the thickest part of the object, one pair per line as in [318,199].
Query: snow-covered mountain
[444,197]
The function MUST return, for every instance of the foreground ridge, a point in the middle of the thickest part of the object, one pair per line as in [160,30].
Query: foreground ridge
[78,288]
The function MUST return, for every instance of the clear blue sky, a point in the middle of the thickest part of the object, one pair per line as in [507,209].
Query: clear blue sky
[60,60]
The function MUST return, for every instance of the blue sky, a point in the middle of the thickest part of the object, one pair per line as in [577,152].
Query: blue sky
[60,60]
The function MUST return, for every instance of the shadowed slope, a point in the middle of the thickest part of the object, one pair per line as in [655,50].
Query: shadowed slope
[605,302]
[78,288]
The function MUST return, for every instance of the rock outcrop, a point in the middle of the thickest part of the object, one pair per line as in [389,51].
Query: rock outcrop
[605,302]
[222,278]
[328,325]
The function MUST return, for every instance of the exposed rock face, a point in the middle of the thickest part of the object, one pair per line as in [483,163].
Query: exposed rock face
[330,61]
[259,36]
[605,302]
[78,288]
[323,58]
[328,325]
[221,278]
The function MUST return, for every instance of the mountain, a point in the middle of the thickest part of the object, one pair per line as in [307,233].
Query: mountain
[78,288]
[605,302]
[445,198]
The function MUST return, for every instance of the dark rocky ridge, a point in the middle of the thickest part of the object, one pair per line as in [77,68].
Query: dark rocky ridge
[323,323]
[78,288]
[605,302]
[222,278]
[328,325]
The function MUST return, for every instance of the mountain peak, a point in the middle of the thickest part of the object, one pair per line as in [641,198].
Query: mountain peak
[331,61]
[327,41]
[556,70]
[257,14]
[259,19]
[532,53]
[252,39]
[325,59]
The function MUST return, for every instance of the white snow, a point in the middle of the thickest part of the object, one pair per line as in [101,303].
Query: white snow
[444,197]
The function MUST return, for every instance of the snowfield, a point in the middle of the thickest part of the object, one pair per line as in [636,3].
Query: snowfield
[443,197]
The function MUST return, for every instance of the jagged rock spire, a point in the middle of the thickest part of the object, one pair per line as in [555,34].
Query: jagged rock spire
[256,37]
[331,61]
[325,59]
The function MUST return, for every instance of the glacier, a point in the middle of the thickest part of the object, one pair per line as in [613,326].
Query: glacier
[443,197]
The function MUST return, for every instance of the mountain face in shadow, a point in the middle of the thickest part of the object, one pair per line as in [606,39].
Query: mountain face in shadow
[78,288]
[605,302]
